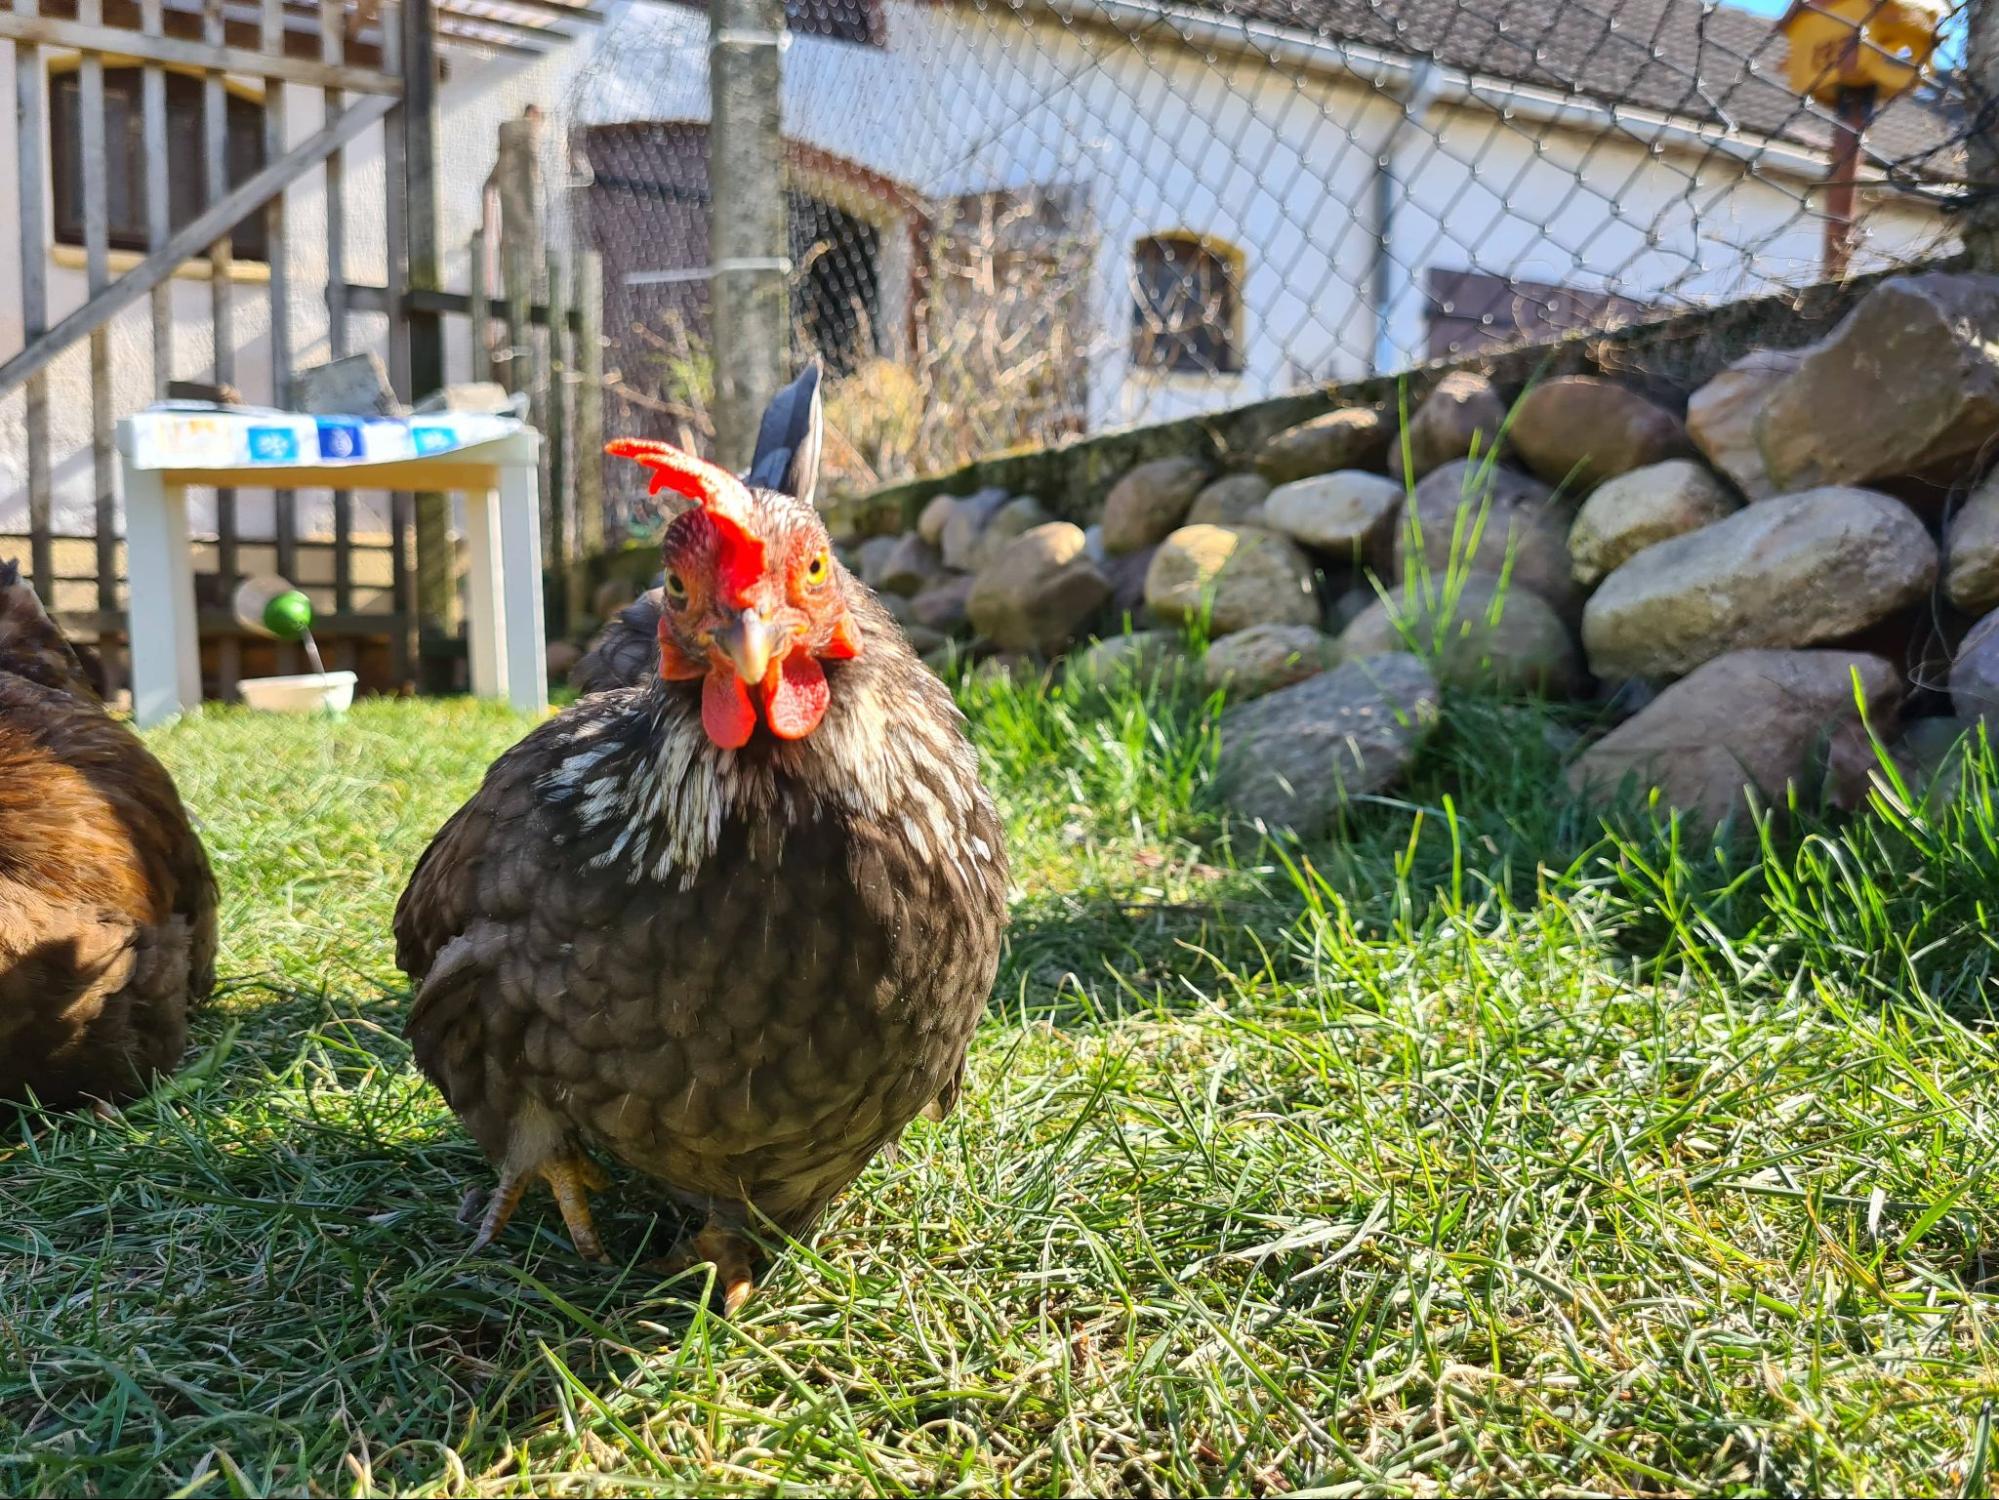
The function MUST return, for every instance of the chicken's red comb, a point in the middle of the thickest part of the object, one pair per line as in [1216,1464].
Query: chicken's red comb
[722,495]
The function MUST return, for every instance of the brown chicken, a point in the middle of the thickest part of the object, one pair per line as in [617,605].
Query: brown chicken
[732,925]
[107,907]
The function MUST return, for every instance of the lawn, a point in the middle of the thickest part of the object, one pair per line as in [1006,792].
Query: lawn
[1476,1148]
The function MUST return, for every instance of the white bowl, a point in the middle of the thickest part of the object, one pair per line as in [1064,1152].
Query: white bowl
[305,694]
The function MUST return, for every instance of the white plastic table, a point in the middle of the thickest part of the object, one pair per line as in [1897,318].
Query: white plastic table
[491,460]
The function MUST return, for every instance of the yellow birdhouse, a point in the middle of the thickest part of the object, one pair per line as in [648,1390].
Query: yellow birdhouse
[1859,44]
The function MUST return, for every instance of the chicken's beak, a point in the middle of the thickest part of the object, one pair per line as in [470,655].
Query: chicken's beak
[749,642]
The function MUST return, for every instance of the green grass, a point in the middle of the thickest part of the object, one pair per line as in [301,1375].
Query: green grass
[1470,1149]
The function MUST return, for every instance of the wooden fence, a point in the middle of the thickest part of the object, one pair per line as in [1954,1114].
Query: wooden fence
[380,590]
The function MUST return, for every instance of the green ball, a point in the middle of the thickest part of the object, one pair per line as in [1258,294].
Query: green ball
[288,616]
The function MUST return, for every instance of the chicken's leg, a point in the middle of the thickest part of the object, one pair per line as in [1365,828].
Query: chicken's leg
[730,1252]
[572,1179]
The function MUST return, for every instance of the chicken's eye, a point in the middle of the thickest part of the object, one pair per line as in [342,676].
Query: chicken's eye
[676,588]
[818,570]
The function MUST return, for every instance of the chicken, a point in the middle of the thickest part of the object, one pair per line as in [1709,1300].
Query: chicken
[107,906]
[732,925]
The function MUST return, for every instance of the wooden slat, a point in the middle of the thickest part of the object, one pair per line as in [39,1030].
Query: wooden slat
[489,44]
[208,54]
[479,306]
[153,104]
[539,38]
[374,299]
[333,42]
[215,169]
[589,406]
[554,380]
[31,112]
[188,240]
[97,272]
[552,10]
[284,501]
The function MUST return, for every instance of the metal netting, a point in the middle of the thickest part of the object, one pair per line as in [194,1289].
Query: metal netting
[1009,223]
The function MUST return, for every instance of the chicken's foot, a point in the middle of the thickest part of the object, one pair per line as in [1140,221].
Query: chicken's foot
[730,1252]
[572,1179]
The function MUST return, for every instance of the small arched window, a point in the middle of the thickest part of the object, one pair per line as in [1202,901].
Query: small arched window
[126,164]
[1185,296]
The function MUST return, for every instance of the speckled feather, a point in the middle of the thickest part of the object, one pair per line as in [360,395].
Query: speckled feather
[740,972]
[107,906]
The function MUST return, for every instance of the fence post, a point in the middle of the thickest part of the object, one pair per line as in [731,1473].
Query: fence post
[1981,68]
[589,422]
[747,228]
[436,560]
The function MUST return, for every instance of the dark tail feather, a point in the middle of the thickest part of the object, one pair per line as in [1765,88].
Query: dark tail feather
[31,644]
[787,456]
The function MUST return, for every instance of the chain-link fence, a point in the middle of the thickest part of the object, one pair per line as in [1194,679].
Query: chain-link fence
[1013,222]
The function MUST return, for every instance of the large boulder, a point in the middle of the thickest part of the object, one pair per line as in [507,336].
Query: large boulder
[1038,592]
[1348,515]
[1974,675]
[1761,719]
[1355,437]
[1249,575]
[1017,517]
[1463,410]
[1908,383]
[1971,550]
[1580,430]
[1475,636]
[1625,515]
[1522,519]
[1264,658]
[1151,501]
[1127,573]
[1794,571]
[909,568]
[872,556]
[1232,500]
[965,524]
[1721,417]
[1141,657]
[1292,758]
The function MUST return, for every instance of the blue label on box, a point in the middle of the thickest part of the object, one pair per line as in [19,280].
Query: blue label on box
[273,445]
[432,439]
[339,439]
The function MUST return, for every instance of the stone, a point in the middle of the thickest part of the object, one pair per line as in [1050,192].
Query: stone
[562,656]
[923,640]
[943,605]
[1264,658]
[1355,437]
[872,556]
[1475,636]
[1126,572]
[1252,576]
[901,610]
[1794,571]
[1093,542]
[936,512]
[964,525]
[1523,519]
[355,386]
[1908,383]
[475,397]
[1139,658]
[1294,757]
[1625,515]
[909,566]
[1930,756]
[1038,591]
[1150,502]
[1017,517]
[1349,605]
[1579,430]
[1464,408]
[1232,500]
[1971,550]
[1721,417]
[1974,674]
[1348,515]
[1747,719]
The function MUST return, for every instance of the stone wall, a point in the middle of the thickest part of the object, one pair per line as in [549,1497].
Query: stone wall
[1710,528]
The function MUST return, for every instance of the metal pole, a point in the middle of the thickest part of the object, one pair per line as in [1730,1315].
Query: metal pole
[1981,69]
[1855,109]
[747,227]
